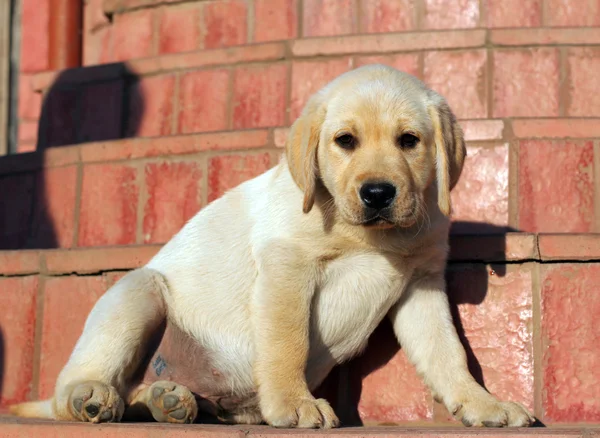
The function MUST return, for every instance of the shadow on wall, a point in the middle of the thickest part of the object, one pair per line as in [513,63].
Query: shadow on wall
[83,105]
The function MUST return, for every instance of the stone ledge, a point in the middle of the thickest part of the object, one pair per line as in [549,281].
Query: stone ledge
[510,247]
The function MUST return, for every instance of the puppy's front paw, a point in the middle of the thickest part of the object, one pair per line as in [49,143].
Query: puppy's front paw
[309,413]
[489,412]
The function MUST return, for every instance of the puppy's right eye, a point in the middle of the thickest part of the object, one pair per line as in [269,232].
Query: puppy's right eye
[346,141]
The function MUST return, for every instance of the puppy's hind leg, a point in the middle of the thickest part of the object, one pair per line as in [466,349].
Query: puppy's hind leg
[92,385]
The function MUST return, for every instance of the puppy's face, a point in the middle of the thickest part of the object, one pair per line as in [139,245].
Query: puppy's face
[375,152]
[377,139]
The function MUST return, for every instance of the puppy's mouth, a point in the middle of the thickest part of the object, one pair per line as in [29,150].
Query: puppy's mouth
[378,218]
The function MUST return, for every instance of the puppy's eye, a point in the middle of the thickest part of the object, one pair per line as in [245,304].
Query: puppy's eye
[346,141]
[408,141]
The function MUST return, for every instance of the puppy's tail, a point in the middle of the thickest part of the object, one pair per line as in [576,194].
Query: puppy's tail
[35,409]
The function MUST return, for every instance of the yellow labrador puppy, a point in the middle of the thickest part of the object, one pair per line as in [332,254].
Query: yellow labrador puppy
[265,290]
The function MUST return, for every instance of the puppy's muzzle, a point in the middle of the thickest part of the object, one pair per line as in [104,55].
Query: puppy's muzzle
[377,197]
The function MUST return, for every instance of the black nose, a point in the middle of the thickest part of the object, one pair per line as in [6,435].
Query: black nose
[377,195]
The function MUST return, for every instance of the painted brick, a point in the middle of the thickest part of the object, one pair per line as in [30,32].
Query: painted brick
[26,146]
[133,35]
[275,20]
[35,25]
[493,310]
[173,198]
[59,126]
[556,128]
[203,101]
[572,13]
[582,63]
[514,13]
[481,194]
[61,329]
[569,246]
[19,262]
[228,171]
[17,326]
[310,76]
[259,96]
[550,204]
[94,16]
[387,15]
[98,46]
[179,29]
[328,17]
[477,130]
[151,106]
[526,83]
[545,36]
[461,78]
[386,384]
[441,14]
[225,24]
[16,200]
[101,111]
[54,209]
[30,102]
[570,308]
[109,200]
[408,62]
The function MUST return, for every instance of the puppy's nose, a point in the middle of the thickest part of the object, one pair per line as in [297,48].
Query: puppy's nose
[377,195]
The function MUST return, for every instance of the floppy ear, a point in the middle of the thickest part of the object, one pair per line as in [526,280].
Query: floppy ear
[450,151]
[301,149]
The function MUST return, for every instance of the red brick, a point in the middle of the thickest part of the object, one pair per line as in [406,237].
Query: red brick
[514,13]
[495,312]
[173,145]
[109,200]
[545,36]
[179,29]
[151,106]
[494,248]
[571,335]
[556,128]
[385,43]
[101,111]
[390,389]
[54,209]
[569,246]
[259,96]
[231,55]
[549,204]
[26,146]
[583,83]
[94,16]
[28,131]
[228,171]
[16,200]
[60,125]
[35,24]
[98,46]
[275,20]
[408,62]
[203,101]
[477,130]
[94,260]
[481,194]
[526,83]
[19,262]
[461,77]
[441,14]
[387,15]
[17,324]
[328,17]
[280,136]
[61,329]
[572,13]
[30,101]
[132,37]
[173,198]
[308,77]
[225,24]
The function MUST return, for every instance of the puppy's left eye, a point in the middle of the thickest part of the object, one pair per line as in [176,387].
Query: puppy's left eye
[346,141]
[408,141]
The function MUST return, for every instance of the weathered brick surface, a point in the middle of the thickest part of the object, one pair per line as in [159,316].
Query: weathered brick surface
[225,24]
[228,171]
[275,20]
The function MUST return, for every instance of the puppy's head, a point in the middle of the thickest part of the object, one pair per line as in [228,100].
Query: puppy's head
[379,141]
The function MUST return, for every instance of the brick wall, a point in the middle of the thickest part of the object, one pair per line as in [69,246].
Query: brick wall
[179,101]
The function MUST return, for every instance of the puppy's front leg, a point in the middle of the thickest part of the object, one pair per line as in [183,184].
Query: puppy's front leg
[281,318]
[424,327]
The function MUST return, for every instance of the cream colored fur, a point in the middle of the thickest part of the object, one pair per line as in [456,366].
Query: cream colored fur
[280,280]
